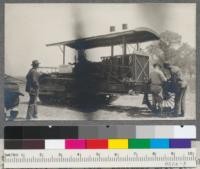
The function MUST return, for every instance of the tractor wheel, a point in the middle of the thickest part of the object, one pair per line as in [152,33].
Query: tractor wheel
[166,107]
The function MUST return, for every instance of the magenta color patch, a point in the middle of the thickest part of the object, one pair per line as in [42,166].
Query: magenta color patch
[75,144]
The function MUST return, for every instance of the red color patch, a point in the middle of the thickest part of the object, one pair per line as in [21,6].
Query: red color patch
[97,144]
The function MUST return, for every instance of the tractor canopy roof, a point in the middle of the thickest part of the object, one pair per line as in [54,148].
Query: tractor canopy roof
[138,35]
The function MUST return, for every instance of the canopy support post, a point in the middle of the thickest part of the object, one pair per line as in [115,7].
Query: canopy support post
[63,54]
[124,50]
[138,46]
[112,50]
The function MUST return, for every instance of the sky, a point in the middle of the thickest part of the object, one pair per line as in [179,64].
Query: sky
[29,27]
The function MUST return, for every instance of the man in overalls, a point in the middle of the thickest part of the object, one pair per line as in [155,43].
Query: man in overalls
[179,84]
[32,87]
[157,79]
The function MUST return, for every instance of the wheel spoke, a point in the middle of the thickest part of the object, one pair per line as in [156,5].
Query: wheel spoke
[170,105]
[171,100]
[164,104]
[167,105]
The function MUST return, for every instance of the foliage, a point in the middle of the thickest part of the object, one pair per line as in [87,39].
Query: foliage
[171,48]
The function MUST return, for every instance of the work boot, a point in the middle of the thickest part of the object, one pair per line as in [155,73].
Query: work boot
[35,116]
[28,117]
[176,114]
[13,114]
[180,115]
[29,112]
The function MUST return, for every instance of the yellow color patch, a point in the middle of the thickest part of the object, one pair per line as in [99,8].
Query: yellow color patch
[117,143]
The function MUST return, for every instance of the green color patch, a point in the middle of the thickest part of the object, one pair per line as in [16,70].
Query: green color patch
[139,143]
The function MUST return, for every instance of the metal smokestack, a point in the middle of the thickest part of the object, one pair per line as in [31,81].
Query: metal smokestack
[124,26]
[112,28]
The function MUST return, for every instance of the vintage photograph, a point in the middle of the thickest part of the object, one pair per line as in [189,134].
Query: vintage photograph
[92,61]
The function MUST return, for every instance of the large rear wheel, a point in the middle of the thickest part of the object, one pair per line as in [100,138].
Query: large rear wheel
[166,107]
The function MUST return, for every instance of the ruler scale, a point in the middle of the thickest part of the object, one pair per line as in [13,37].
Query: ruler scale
[99,147]
[99,158]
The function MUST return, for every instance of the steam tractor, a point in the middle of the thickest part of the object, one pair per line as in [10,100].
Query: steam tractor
[86,82]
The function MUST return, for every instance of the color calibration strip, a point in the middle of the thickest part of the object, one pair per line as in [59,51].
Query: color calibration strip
[98,144]
[101,131]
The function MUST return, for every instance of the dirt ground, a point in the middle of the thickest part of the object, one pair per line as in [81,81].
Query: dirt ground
[126,107]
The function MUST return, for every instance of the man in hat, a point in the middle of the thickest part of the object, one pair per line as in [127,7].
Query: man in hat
[157,79]
[179,87]
[32,87]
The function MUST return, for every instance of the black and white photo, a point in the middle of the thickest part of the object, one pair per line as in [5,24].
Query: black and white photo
[106,61]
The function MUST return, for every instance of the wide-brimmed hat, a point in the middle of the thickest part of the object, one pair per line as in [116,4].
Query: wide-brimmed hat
[166,64]
[35,62]
[157,64]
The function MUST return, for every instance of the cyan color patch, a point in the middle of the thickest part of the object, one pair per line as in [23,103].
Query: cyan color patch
[159,143]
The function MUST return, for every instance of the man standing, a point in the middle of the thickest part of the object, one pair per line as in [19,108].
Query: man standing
[179,86]
[157,79]
[32,87]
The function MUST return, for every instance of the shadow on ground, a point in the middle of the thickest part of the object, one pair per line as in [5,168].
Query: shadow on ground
[84,109]
[131,111]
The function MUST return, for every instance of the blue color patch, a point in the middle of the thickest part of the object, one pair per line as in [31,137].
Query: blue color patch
[159,143]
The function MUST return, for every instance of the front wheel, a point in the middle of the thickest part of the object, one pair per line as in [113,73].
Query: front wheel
[166,107]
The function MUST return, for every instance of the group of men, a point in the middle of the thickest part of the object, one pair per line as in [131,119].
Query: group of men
[178,85]
[157,81]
